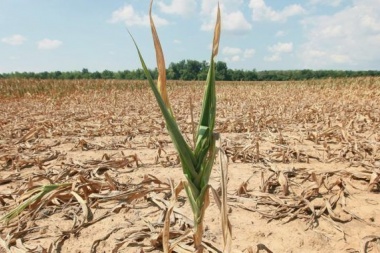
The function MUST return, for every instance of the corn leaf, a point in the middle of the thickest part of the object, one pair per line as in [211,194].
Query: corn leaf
[207,118]
[161,82]
[42,191]
[209,101]
[185,153]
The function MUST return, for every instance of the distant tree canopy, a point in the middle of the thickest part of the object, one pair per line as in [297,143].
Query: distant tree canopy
[195,70]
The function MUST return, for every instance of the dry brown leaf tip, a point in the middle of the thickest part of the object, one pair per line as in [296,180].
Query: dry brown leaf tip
[160,59]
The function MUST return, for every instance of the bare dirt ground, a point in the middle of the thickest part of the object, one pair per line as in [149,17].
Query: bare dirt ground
[304,168]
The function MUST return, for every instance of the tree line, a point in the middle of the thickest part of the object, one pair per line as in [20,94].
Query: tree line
[196,70]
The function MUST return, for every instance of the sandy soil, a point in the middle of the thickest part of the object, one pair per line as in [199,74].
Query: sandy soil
[304,169]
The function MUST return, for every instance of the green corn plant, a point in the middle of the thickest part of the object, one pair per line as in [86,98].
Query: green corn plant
[196,163]
[36,194]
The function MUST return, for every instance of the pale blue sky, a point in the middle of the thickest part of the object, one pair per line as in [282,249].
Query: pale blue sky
[66,35]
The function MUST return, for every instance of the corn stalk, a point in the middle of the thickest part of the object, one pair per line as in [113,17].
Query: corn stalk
[196,163]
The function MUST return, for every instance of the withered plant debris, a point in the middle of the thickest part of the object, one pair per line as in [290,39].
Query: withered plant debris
[313,149]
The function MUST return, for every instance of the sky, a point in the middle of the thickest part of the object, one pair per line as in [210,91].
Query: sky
[69,35]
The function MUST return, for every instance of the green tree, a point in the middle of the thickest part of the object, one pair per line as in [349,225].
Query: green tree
[96,75]
[204,66]
[173,72]
[107,74]
[139,74]
[57,75]
[221,71]
[250,75]
[85,73]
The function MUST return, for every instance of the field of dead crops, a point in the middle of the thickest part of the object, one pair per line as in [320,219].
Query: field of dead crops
[303,164]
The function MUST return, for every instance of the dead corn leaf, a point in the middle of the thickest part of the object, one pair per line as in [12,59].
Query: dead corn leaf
[284,183]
